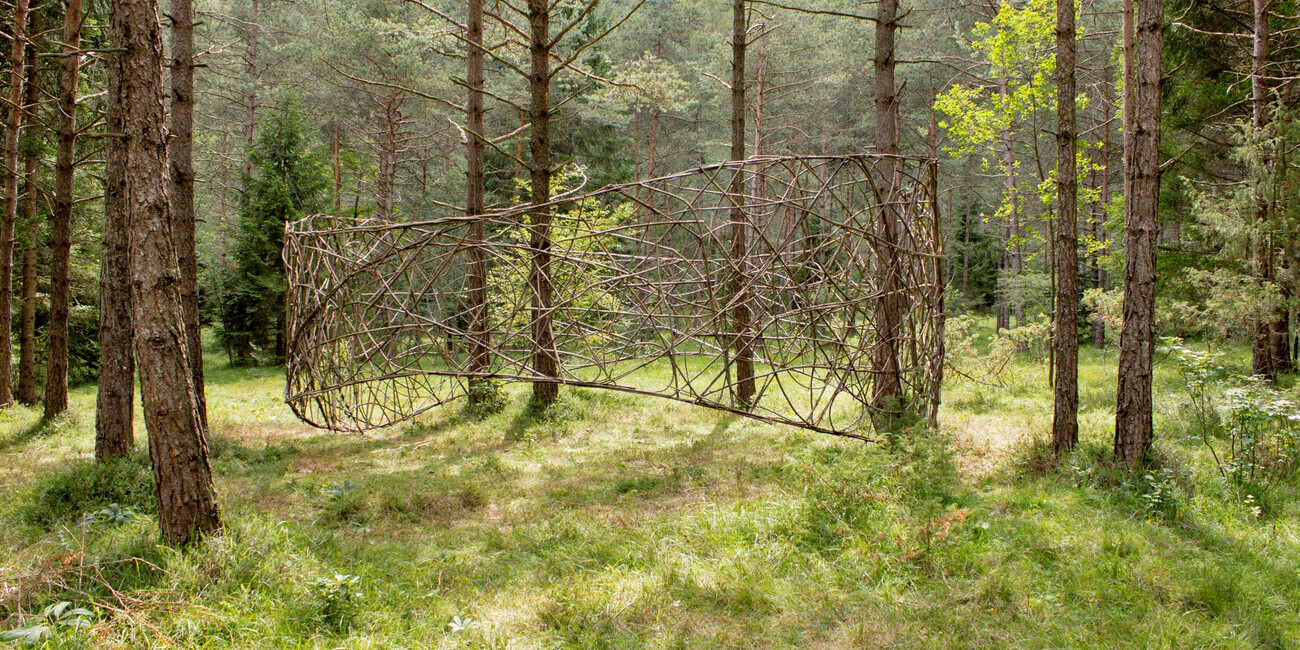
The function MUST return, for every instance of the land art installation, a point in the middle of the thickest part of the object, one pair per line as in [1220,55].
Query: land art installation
[812,297]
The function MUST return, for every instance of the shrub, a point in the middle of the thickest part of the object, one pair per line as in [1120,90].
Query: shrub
[338,595]
[88,486]
[1263,436]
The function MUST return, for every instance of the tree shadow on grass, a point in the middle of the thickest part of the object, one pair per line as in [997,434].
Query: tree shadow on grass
[41,428]
[413,435]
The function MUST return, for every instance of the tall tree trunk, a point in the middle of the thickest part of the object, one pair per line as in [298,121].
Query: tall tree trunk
[1065,421]
[742,346]
[338,168]
[1261,349]
[1099,216]
[965,248]
[27,318]
[475,204]
[56,376]
[250,99]
[1011,267]
[760,85]
[1128,117]
[180,152]
[887,389]
[1270,349]
[1133,423]
[114,430]
[654,141]
[187,506]
[9,210]
[389,138]
[546,361]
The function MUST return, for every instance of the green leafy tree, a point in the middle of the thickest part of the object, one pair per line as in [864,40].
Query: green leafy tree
[990,116]
[573,279]
[288,180]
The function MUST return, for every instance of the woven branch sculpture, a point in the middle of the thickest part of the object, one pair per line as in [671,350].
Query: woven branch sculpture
[814,298]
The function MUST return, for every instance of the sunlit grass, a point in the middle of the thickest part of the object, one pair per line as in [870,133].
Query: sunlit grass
[620,521]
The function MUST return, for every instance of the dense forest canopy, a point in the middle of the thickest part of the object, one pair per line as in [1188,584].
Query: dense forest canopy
[380,87]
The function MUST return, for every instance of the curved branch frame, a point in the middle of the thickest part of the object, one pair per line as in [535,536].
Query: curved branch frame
[379,314]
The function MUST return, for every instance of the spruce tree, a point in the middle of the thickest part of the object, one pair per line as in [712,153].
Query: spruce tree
[287,180]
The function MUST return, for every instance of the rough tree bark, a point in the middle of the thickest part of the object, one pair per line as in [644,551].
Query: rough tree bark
[546,361]
[740,316]
[180,152]
[1261,352]
[187,506]
[56,375]
[475,203]
[1065,420]
[9,209]
[27,318]
[1270,347]
[887,387]
[390,139]
[1133,423]
[114,429]
[760,85]
[1128,115]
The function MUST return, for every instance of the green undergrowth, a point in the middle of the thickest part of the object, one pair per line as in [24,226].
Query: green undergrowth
[620,521]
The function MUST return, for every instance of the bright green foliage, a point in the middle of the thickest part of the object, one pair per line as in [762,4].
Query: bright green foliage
[60,615]
[1262,427]
[288,182]
[1017,46]
[1011,109]
[571,277]
[339,595]
[114,515]
[64,497]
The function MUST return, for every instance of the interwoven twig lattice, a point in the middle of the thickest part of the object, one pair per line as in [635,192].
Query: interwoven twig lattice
[645,285]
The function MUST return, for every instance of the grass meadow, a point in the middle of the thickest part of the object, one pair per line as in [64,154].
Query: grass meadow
[621,521]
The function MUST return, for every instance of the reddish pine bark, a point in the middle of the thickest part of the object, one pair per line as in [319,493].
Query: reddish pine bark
[187,507]
[1133,421]
[475,202]
[180,153]
[546,360]
[887,388]
[114,429]
[9,208]
[1065,421]
[27,317]
[740,315]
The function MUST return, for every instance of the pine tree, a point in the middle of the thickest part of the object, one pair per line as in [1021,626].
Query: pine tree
[287,180]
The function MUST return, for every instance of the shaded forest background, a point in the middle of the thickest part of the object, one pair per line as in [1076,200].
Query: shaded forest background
[351,107]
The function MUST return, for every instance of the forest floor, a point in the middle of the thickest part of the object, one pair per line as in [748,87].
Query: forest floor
[620,521]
